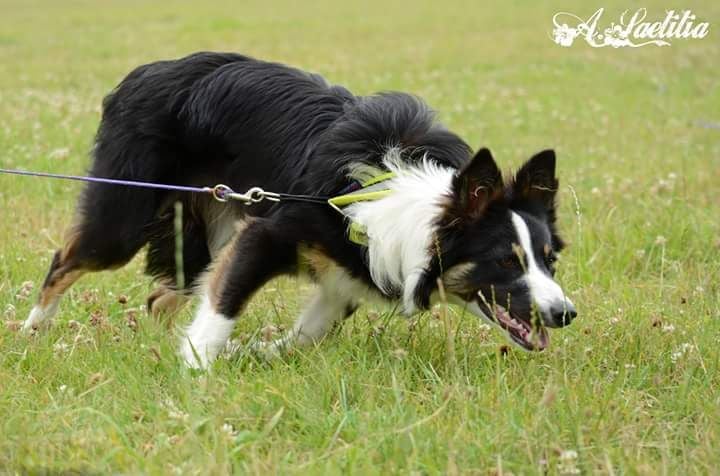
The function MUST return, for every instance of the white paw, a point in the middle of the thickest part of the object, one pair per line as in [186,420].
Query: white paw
[195,356]
[232,348]
[39,317]
[270,351]
[206,337]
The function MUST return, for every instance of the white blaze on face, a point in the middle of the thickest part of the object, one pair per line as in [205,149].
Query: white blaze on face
[545,292]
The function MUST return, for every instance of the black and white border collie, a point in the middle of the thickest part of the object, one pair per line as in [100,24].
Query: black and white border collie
[450,219]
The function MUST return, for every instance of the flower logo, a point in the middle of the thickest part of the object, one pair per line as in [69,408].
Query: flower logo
[632,30]
[564,35]
[616,36]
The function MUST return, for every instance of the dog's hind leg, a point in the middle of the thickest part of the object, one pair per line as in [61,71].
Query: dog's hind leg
[109,231]
[165,301]
[168,298]
[84,251]
[62,274]
[258,253]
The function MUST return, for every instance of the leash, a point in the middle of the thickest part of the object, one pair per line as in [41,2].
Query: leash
[220,192]
[371,189]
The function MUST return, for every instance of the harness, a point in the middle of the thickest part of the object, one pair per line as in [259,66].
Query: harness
[371,189]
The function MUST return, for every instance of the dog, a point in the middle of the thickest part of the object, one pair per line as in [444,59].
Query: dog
[423,213]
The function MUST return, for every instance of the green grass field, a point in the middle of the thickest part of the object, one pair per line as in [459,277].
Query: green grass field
[632,387]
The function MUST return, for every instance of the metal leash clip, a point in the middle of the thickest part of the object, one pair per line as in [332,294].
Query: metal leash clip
[223,193]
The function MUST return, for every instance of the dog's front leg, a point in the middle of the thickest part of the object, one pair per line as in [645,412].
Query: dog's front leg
[330,304]
[257,253]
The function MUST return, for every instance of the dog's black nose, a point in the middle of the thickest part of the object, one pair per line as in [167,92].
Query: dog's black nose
[563,314]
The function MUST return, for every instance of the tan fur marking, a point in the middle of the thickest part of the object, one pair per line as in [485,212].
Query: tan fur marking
[58,285]
[317,261]
[241,225]
[166,302]
[518,250]
[455,279]
[546,249]
[70,243]
[212,279]
[217,218]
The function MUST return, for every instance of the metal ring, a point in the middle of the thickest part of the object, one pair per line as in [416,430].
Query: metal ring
[220,192]
[255,194]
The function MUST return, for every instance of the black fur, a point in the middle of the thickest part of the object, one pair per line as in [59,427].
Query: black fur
[225,118]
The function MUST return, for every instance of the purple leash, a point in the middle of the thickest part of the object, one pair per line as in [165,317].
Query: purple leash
[130,183]
[221,193]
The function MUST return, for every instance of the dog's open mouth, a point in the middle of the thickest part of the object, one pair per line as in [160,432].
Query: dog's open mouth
[523,333]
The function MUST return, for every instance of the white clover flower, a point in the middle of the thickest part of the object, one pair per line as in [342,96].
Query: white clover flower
[59,154]
[174,412]
[400,353]
[568,462]
[681,351]
[229,430]
[61,347]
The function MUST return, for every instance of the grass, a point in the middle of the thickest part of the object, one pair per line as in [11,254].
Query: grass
[630,388]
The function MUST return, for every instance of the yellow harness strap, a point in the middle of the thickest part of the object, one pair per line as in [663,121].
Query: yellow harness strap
[372,189]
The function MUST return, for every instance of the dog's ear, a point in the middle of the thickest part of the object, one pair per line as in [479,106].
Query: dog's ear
[536,182]
[476,185]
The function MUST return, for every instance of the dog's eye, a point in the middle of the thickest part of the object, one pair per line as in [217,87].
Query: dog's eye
[550,263]
[509,262]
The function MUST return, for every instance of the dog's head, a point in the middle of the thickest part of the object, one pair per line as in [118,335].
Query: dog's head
[499,246]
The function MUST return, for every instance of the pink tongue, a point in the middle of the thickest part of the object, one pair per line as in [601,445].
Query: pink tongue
[540,338]
[503,316]
[541,341]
